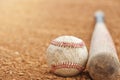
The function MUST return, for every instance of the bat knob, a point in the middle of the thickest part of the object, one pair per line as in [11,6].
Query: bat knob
[99,15]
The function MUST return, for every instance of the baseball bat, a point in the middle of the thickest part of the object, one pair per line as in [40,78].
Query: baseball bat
[103,62]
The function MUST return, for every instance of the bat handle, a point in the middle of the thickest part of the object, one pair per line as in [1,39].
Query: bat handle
[99,15]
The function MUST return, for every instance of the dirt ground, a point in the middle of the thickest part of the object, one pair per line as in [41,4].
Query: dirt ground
[28,26]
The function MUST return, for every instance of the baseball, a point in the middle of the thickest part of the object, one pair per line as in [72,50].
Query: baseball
[67,56]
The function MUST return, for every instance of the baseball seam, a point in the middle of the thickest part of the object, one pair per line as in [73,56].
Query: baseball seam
[68,65]
[67,44]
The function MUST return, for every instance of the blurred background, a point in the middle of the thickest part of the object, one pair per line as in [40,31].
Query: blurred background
[28,26]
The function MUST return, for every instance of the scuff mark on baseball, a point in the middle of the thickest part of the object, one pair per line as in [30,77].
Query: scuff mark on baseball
[67,56]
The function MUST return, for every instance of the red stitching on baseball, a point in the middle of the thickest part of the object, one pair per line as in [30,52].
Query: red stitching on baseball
[66,65]
[66,44]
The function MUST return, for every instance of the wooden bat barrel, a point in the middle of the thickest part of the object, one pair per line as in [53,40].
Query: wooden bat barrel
[103,62]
